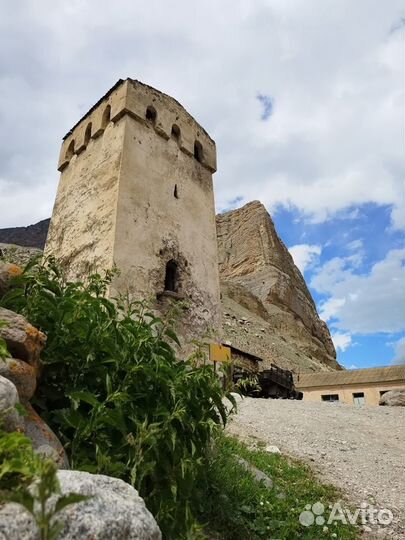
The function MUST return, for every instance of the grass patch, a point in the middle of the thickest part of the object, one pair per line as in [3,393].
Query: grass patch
[238,507]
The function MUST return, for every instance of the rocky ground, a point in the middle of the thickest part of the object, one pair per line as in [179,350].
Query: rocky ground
[360,450]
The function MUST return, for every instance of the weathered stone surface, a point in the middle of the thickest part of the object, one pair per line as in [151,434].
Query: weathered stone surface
[41,435]
[393,398]
[23,340]
[114,512]
[11,420]
[7,271]
[257,474]
[262,287]
[21,374]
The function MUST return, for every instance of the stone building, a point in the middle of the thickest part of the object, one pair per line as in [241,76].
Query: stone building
[136,192]
[353,387]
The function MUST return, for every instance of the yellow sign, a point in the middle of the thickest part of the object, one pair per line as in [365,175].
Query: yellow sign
[219,353]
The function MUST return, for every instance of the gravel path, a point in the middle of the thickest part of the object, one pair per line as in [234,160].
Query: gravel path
[359,449]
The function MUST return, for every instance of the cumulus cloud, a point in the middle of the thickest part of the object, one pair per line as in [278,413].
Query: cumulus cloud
[363,303]
[399,350]
[305,255]
[334,139]
[342,341]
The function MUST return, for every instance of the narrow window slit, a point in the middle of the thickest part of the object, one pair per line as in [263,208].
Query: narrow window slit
[198,151]
[151,114]
[171,277]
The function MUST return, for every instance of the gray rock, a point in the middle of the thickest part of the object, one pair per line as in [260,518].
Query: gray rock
[393,398]
[114,512]
[41,435]
[11,420]
[257,474]
[21,374]
[271,449]
[23,340]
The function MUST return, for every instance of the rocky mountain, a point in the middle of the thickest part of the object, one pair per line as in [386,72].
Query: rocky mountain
[31,236]
[267,307]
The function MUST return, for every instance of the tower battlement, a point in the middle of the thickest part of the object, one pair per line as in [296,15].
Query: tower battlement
[152,108]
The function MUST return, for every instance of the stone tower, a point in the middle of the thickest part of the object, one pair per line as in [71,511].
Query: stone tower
[136,191]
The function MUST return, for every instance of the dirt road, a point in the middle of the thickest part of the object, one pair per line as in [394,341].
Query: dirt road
[359,449]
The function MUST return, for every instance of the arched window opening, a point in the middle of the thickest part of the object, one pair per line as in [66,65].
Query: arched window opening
[106,117]
[71,150]
[198,151]
[176,132]
[176,191]
[151,114]
[172,276]
[87,134]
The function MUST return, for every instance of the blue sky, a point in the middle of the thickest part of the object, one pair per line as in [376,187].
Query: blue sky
[306,106]
[364,231]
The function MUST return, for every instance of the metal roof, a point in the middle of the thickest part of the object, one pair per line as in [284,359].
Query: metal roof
[351,376]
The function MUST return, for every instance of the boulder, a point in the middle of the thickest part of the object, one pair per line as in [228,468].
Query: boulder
[44,440]
[7,271]
[21,374]
[393,398]
[114,512]
[23,340]
[11,420]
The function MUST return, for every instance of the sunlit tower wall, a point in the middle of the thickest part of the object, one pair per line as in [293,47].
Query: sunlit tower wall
[136,192]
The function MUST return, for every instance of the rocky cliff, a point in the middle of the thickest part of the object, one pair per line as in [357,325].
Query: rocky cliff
[267,307]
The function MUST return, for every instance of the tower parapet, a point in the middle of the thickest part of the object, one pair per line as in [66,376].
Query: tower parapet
[144,104]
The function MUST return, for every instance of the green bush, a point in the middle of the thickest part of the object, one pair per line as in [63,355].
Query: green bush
[115,393]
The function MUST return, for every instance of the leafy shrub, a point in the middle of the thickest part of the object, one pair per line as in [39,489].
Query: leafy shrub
[115,393]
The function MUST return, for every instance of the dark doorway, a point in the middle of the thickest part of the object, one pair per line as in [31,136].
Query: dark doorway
[171,277]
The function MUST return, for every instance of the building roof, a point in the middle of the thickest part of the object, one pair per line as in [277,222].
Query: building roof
[242,353]
[351,376]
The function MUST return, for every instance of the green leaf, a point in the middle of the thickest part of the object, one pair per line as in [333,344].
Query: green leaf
[87,397]
[67,500]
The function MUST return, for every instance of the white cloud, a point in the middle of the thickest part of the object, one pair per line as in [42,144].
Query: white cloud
[399,350]
[355,245]
[334,138]
[330,308]
[341,341]
[305,255]
[363,303]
